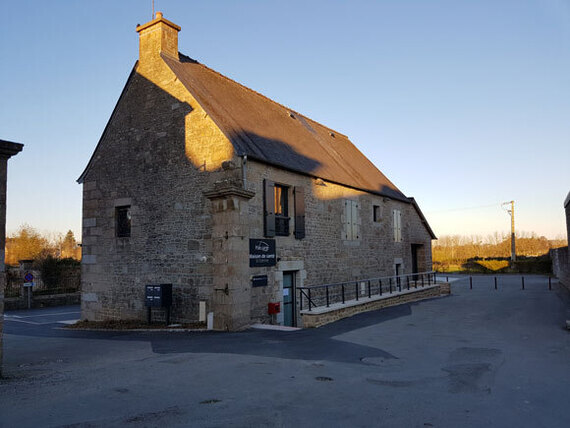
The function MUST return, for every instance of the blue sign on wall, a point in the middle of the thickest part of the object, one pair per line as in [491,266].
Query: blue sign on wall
[259,281]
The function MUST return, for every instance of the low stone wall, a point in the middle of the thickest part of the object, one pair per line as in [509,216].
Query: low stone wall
[42,301]
[560,265]
[323,315]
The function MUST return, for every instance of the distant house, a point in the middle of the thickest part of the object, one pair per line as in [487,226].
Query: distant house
[231,197]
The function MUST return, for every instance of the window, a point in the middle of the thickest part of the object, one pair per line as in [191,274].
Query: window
[397,223]
[276,210]
[123,221]
[377,213]
[281,201]
[351,221]
[281,198]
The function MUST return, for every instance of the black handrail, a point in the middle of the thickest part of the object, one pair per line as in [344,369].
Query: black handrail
[331,293]
[307,296]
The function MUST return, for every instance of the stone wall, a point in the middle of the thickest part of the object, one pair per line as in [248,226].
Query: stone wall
[150,162]
[561,256]
[42,301]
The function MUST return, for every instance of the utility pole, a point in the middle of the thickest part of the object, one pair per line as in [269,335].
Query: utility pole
[512,214]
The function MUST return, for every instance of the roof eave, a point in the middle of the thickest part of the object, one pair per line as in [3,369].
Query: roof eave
[422,217]
[402,198]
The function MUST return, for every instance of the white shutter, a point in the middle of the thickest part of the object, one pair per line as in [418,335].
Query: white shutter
[399,226]
[354,219]
[347,220]
[397,223]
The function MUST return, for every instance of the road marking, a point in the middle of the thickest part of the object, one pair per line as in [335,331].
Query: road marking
[68,322]
[43,315]
[8,318]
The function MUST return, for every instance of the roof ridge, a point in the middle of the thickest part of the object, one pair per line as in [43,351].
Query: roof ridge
[261,95]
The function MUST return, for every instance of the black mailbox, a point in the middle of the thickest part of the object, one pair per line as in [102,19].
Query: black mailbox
[157,296]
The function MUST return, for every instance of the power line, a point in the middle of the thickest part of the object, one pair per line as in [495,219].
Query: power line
[496,205]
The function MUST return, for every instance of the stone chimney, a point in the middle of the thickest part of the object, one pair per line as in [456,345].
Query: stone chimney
[156,37]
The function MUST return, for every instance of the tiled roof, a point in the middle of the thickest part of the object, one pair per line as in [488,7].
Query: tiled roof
[274,134]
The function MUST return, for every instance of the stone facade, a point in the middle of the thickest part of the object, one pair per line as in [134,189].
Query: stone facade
[560,264]
[324,254]
[195,202]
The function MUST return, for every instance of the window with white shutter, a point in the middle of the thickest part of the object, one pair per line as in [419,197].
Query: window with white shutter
[351,228]
[397,222]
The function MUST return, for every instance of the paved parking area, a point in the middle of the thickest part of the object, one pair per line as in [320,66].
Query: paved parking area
[479,357]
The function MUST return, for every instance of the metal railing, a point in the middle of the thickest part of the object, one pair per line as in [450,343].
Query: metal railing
[495,281]
[349,291]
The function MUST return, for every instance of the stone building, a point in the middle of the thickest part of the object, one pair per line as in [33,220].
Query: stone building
[232,198]
[7,150]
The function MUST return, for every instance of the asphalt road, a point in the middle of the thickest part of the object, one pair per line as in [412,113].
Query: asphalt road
[481,357]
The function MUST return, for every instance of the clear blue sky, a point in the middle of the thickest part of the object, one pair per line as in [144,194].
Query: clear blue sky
[460,103]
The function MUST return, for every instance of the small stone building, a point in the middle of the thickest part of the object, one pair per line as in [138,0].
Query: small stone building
[234,199]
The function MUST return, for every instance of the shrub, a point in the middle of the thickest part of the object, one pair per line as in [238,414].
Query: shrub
[494,265]
[59,273]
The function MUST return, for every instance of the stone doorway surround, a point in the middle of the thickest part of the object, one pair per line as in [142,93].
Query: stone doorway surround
[398,261]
